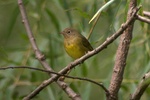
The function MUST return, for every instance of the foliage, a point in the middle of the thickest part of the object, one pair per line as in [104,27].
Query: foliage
[49,17]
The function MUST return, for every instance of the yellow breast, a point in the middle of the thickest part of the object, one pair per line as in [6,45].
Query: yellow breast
[75,48]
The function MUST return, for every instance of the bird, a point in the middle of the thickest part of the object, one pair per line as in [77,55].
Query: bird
[75,44]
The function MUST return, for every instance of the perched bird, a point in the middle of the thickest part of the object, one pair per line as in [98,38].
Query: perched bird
[75,44]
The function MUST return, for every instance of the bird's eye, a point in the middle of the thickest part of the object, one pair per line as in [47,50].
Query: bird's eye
[69,32]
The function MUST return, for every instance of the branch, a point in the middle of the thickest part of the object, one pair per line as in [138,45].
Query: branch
[121,55]
[89,54]
[143,19]
[67,76]
[141,87]
[40,56]
[146,13]
[18,67]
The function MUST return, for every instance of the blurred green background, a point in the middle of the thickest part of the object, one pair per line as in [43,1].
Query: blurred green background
[47,19]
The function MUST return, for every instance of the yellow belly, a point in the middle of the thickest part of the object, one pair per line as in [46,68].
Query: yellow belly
[75,50]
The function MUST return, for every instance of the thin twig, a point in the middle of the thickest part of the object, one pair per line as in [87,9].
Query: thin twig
[67,76]
[94,24]
[143,19]
[26,67]
[141,87]
[88,55]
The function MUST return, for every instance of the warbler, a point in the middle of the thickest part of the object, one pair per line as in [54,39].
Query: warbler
[75,44]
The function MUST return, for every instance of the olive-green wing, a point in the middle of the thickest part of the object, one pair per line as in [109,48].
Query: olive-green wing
[86,43]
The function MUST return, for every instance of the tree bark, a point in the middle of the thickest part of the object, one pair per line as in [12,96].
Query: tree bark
[121,56]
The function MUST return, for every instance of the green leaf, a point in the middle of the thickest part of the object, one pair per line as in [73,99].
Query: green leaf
[82,13]
[54,19]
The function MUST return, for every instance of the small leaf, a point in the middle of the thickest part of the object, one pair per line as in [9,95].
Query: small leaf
[82,13]
[101,9]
